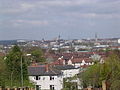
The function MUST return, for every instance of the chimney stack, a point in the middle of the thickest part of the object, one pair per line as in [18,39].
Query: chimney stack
[46,67]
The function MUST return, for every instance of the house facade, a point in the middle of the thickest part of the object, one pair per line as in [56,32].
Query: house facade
[45,78]
[68,70]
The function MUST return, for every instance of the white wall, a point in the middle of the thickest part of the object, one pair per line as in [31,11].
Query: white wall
[70,72]
[45,82]
[83,63]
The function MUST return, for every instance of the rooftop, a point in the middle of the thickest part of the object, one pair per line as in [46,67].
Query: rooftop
[64,67]
[41,71]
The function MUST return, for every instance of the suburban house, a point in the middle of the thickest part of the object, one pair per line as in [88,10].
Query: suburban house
[76,62]
[67,70]
[79,62]
[50,76]
[79,59]
[45,77]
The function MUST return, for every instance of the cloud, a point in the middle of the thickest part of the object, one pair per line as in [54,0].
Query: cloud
[17,8]
[24,6]
[25,23]
[56,5]
[92,15]
[64,2]
[32,22]
[59,15]
[27,6]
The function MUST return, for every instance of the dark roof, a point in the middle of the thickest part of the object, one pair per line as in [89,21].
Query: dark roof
[41,71]
[64,67]
[66,57]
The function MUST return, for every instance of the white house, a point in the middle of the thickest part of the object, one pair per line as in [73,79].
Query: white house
[78,62]
[67,70]
[45,78]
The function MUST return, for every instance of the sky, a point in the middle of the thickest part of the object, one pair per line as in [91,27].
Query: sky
[71,19]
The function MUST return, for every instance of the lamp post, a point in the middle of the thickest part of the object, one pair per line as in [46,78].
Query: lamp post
[11,78]
[21,72]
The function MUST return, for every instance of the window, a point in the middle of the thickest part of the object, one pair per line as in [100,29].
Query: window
[37,78]
[52,87]
[58,76]
[38,87]
[43,78]
[51,78]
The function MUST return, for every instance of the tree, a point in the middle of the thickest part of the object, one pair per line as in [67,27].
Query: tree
[69,85]
[109,71]
[37,55]
[2,72]
[13,63]
[90,77]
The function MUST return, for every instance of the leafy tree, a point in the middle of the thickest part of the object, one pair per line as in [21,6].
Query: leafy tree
[68,85]
[91,76]
[2,72]
[37,55]
[13,63]
[109,71]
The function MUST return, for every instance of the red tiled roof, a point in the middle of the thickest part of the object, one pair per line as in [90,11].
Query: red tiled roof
[2,54]
[84,66]
[58,62]
[79,60]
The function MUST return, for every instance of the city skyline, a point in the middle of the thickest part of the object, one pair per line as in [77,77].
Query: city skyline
[72,19]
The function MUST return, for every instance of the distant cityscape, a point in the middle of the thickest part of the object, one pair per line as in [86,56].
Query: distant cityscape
[65,59]
[75,45]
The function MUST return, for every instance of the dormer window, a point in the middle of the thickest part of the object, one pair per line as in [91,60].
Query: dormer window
[51,78]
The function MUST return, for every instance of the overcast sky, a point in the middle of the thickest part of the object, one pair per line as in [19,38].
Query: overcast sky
[72,19]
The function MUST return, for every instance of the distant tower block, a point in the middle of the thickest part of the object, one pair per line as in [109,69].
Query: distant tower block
[96,40]
[59,37]
[43,39]
[96,37]
[59,42]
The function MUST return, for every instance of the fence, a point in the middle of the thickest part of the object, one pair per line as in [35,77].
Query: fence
[20,88]
[92,89]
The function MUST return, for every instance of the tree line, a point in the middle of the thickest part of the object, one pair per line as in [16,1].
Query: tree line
[109,71]
[13,67]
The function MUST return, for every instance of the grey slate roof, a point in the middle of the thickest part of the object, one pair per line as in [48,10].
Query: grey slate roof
[41,71]
[64,67]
